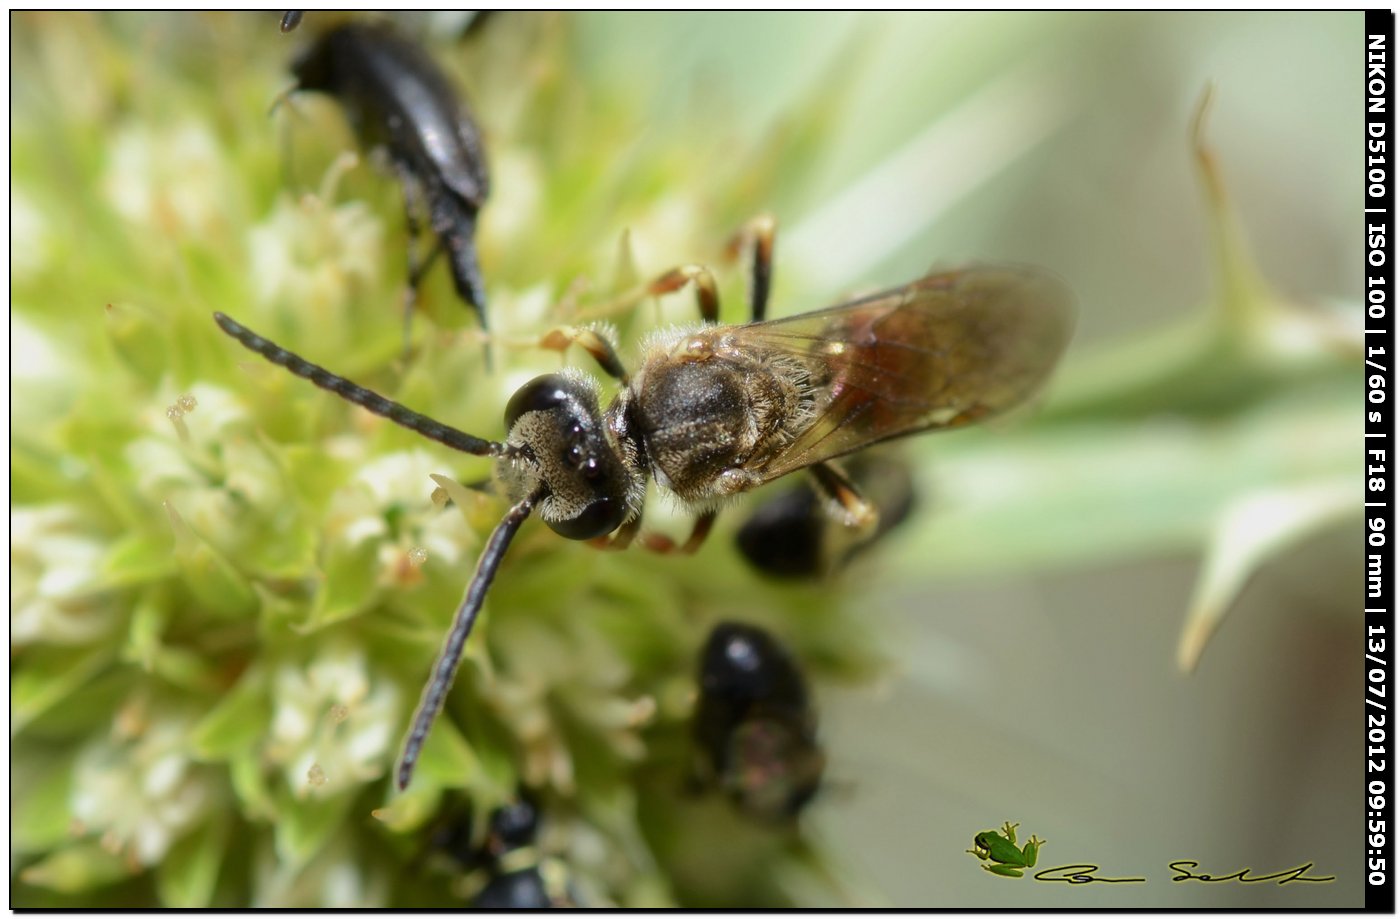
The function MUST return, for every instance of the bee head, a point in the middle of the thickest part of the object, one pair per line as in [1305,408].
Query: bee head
[558,440]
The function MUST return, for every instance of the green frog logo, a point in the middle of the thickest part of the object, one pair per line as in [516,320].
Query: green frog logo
[1000,850]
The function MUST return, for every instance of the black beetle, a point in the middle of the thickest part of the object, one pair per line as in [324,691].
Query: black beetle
[395,96]
[507,863]
[754,726]
[792,536]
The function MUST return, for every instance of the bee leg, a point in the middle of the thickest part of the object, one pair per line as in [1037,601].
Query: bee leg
[621,538]
[756,235]
[853,509]
[659,542]
[706,294]
[590,340]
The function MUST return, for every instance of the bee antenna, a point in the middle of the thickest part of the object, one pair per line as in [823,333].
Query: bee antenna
[445,667]
[353,392]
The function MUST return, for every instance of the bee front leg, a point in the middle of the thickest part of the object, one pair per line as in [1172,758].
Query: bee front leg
[854,510]
[659,542]
[620,538]
[591,340]
[757,235]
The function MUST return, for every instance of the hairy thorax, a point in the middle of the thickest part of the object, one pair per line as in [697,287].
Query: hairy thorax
[707,413]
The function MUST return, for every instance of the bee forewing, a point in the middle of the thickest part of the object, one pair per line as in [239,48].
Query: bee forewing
[948,350]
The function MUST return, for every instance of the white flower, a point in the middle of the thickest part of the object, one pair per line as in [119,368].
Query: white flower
[142,795]
[334,722]
[397,486]
[54,570]
[168,178]
[313,256]
[208,463]
[340,877]
[31,240]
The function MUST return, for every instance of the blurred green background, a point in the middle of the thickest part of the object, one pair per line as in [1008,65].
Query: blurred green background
[1028,617]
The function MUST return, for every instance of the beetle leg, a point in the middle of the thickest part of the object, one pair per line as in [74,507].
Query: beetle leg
[757,235]
[416,271]
[414,207]
[454,222]
[592,341]
[855,511]
[659,542]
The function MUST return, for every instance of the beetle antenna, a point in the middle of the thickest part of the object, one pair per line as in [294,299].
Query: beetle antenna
[365,398]
[284,97]
[445,667]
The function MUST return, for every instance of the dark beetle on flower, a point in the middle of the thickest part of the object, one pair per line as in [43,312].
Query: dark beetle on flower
[755,729]
[792,536]
[507,865]
[395,96]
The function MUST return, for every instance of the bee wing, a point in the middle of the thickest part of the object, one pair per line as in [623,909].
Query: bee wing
[945,351]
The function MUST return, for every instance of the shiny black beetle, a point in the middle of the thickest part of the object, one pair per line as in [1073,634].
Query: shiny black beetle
[792,535]
[395,96]
[508,858]
[754,725]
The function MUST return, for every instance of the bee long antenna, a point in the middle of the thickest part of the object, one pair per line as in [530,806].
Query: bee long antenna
[365,398]
[445,667]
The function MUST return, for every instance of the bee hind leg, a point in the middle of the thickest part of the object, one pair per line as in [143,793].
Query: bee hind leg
[756,235]
[706,294]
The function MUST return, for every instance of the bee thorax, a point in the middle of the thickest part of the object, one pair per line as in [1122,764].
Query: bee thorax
[702,421]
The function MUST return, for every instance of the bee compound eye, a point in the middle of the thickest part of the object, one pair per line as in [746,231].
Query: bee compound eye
[599,517]
[539,395]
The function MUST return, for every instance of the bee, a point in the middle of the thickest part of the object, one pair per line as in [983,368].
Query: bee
[291,20]
[717,410]
[395,96]
[754,726]
[792,536]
